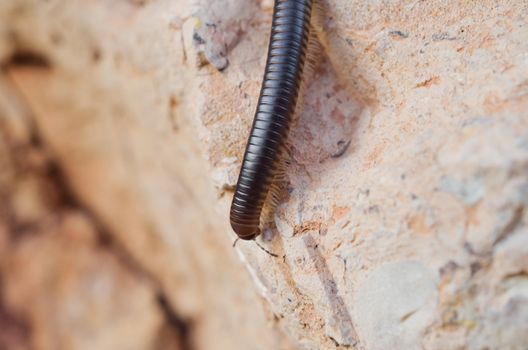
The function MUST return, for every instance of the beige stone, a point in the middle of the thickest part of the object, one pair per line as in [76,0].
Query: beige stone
[393,244]
[404,225]
[71,293]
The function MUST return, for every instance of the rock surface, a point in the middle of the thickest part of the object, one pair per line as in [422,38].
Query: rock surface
[404,225]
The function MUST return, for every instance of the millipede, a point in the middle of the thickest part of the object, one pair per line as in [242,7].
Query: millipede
[275,112]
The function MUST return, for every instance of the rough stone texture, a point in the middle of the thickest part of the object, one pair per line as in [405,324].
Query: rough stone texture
[416,236]
[404,225]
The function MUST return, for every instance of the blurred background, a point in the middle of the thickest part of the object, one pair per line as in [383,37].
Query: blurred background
[109,232]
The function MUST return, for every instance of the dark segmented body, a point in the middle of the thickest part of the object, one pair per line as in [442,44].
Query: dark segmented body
[273,117]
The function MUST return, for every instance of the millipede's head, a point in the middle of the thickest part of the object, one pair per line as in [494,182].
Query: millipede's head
[245,232]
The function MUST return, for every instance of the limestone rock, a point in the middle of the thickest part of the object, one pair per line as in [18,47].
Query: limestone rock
[404,223]
[394,243]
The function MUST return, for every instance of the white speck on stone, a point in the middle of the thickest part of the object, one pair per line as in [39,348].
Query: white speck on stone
[469,191]
[229,160]
[254,276]
[284,228]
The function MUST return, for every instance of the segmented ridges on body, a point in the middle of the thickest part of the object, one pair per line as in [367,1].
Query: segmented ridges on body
[276,107]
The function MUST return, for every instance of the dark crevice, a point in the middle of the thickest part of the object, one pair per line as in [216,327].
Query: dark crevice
[26,58]
[31,160]
[107,241]
[181,326]
[14,331]
[512,225]
[519,274]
